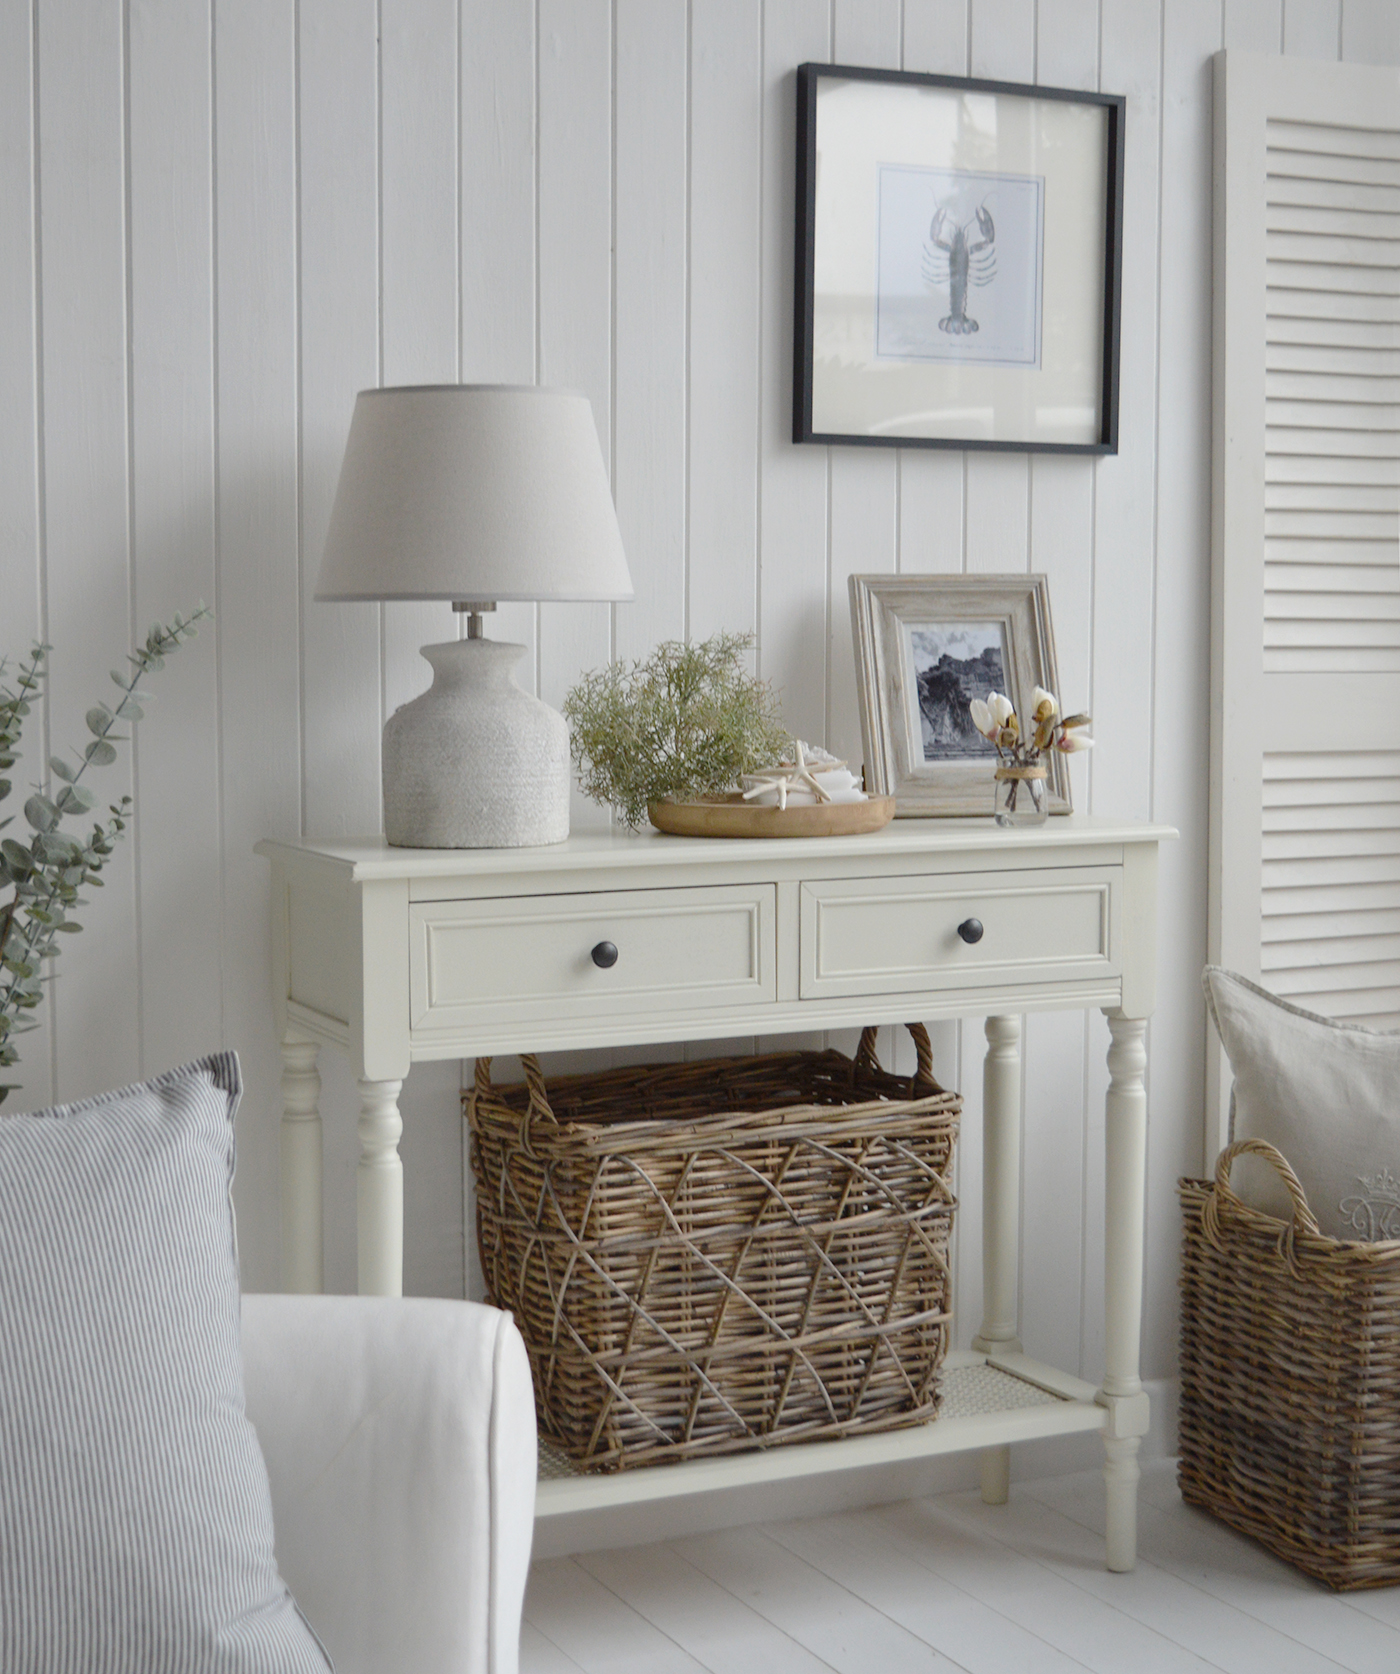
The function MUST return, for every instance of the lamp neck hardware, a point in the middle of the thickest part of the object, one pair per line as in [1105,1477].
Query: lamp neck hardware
[474,609]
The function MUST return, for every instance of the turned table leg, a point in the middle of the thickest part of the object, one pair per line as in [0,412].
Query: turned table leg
[380,1190]
[301,1168]
[1125,1182]
[1001,1219]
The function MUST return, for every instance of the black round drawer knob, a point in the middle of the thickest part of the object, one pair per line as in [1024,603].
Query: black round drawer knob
[605,955]
[970,930]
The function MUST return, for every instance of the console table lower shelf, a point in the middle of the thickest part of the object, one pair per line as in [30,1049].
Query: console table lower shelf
[989,1401]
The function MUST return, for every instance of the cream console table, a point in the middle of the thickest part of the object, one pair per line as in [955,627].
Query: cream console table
[399,955]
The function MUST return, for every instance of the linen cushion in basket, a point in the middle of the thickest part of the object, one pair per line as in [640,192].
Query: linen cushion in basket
[135,1515]
[1326,1094]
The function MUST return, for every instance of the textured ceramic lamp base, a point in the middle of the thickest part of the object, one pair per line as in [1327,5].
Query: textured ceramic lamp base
[475,763]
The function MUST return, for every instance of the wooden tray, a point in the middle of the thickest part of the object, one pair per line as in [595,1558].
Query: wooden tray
[731,816]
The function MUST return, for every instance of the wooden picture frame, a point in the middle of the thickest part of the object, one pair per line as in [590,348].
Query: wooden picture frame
[959,260]
[911,634]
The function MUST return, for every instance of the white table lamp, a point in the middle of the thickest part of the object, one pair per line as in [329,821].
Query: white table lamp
[474,493]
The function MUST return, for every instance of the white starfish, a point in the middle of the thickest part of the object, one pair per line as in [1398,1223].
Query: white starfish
[786,776]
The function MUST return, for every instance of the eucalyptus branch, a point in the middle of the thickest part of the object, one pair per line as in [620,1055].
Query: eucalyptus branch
[47,873]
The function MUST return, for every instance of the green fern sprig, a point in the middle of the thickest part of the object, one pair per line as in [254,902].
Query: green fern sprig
[686,721]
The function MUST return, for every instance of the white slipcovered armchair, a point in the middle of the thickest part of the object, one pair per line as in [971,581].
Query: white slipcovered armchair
[399,1436]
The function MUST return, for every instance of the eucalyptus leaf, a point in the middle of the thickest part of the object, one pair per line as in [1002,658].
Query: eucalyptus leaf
[69,926]
[63,769]
[75,799]
[41,813]
[100,753]
[99,719]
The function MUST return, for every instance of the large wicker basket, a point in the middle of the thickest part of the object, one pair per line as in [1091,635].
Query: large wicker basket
[1290,1381]
[722,1255]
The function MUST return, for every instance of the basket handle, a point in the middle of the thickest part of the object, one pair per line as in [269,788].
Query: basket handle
[1304,1221]
[538,1106]
[867,1060]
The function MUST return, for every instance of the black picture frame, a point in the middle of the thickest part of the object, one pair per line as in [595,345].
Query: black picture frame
[822,386]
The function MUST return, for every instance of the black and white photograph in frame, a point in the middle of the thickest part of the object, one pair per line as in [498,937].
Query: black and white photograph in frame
[954,662]
[925,647]
[959,262]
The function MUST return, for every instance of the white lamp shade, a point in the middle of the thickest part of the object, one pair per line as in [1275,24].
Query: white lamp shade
[473,492]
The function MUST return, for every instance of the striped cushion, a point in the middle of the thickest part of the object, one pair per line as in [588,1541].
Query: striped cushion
[135,1518]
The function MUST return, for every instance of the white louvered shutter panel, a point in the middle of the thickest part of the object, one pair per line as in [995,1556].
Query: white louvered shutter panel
[1305,781]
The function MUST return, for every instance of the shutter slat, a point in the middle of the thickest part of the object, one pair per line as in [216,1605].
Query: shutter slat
[1373,390]
[1334,469]
[1376,250]
[1292,191]
[1327,659]
[1378,554]
[1363,361]
[1338,579]
[1322,494]
[1315,332]
[1340,525]
[1334,415]
[1333,277]
[1284,133]
[1290,302]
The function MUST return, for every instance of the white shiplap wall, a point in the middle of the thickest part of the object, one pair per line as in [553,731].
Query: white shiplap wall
[218,222]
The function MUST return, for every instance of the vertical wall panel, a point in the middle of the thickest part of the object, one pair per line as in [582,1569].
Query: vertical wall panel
[86,505]
[1124,572]
[419,323]
[1127,482]
[21,554]
[259,594]
[998,484]
[1370,31]
[496,169]
[1254,25]
[338,203]
[793,504]
[649,414]
[723,381]
[576,289]
[930,483]
[172,449]
[1062,548]
[864,504]
[1312,28]
[498,282]
[419,220]
[1182,692]
[339,273]
[930,538]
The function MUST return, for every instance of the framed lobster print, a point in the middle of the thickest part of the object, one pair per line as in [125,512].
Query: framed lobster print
[959,262]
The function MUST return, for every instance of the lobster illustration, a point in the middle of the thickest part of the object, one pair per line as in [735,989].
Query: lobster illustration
[954,260]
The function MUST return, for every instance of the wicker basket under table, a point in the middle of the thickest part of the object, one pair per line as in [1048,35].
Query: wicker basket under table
[721,1255]
[1290,1381]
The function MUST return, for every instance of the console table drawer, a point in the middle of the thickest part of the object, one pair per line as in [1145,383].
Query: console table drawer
[892,935]
[526,958]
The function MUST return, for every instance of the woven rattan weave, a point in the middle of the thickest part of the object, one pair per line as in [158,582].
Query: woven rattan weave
[720,1255]
[1290,1381]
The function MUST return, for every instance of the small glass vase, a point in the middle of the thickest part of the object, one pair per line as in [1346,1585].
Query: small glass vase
[1020,796]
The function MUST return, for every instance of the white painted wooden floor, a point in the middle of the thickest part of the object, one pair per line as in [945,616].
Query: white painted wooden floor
[947,1584]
